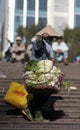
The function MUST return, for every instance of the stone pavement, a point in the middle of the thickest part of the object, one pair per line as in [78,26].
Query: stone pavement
[66,115]
[72,71]
[12,70]
[15,70]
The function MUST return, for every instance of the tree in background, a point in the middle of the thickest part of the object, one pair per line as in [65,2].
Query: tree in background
[72,37]
[29,32]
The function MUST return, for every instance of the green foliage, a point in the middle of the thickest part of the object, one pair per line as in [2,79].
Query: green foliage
[29,32]
[21,31]
[72,37]
[0,55]
[67,84]
[31,66]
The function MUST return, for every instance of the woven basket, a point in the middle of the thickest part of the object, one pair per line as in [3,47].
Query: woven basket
[41,89]
[44,89]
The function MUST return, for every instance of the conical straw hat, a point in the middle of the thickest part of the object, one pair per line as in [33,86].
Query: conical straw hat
[48,29]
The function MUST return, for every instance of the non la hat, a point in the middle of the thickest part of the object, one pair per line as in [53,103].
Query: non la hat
[48,30]
[18,38]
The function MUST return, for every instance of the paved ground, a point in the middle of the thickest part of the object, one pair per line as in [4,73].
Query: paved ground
[12,70]
[72,71]
[15,70]
[66,115]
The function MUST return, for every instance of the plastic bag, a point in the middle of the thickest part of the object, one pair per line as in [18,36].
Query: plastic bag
[17,95]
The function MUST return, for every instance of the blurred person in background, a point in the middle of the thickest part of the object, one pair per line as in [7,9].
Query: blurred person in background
[60,50]
[18,50]
[29,49]
[78,59]
[41,49]
[7,53]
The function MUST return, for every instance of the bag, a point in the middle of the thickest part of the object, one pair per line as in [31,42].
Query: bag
[17,95]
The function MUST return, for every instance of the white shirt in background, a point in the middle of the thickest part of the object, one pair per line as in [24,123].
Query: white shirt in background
[62,46]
